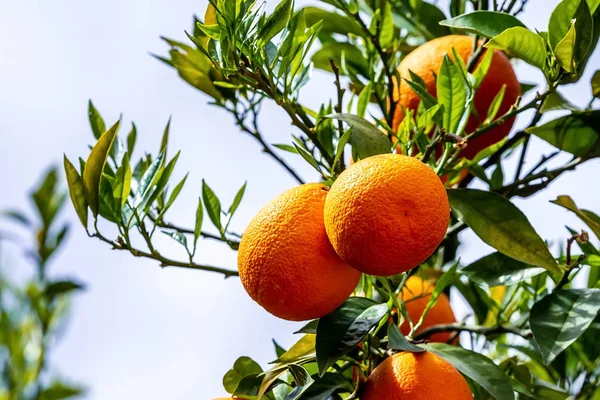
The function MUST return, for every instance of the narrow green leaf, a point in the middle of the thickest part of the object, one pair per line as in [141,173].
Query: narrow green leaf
[212,204]
[366,139]
[565,50]
[303,347]
[307,157]
[96,121]
[577,133]
[122,186]
[521,43]
[495,105]
[199,220]
[555,101]
[502,225]
[286,147]
[173,195]
[165,139]
[344,328]
[56,288]
[275,22]
[482,69]
[310,327]
[363,99]
[94,167]
[483,23]
[148,180]
[386,34]
[590,219]
[76,191]
[237,200]
[302,381]
[397,341]
[457,7]
[451,94]
[496,269]
[596,84]
[477,367]
[427,99]
[427,119]
[178,237]
[560,318]
[446,280]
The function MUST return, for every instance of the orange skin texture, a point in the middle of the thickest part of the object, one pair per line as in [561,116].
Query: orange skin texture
[286,262]
[386,214]
[415,295]
[427,59]
[416,376]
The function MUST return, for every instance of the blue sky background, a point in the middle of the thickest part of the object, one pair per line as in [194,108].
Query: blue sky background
[140,331]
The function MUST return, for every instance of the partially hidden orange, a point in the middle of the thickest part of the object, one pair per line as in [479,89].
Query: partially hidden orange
[416,293]
[286,262]
[386,214]
[416,376]
[426,61]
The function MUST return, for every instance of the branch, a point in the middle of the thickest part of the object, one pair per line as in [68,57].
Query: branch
[208,235]
[255,133]
[164,262]
[481,330]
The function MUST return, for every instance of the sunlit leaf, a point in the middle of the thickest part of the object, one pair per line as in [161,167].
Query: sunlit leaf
[76,191]
[483,23]
[521,43]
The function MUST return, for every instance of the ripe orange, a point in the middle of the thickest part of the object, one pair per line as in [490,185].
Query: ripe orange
[426,61]
[386,214]
[286,262]
[416,376]
[415,295]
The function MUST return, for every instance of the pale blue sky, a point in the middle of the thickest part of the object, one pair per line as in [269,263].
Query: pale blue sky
[140,331]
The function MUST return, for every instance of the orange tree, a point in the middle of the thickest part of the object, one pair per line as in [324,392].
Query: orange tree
[532,330]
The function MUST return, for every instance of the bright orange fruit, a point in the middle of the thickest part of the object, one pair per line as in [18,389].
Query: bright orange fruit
[426,62]
[416,293]
[416,376]
[386,214]
[286,262]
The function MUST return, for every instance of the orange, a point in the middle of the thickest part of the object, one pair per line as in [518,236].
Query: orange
[416,376]
[386,214]
[286,262]
[415,295]
[426,62]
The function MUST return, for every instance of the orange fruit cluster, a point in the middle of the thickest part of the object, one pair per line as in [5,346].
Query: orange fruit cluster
[302,254]
[426,61]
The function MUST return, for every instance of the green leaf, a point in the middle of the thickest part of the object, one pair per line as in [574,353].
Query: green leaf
[366,139]
[501,225]
[521,43]
[302,381]
[332,22]
[555,101]
[96,121]
[286,147]
[457,7]
[165,139]
[386,34]
[59,391]
[577,133]
[565,50]
[94,167]
[495,105]
[526,87]
[590,219]
[212,204]
[303,347]
[122,185]
[275,22]
[237,200]
[427,99]
[173,195]
[496,269]
[596,84]
[483,23]
[76,191]
[243,366]
[148,180]
[199,220]
[326,386]
[482,68]
[310,327]
[476,367]
[307,157]
[560,318]
[446,280]
[363,99]
[427,119]
[249,386]
[339,152]
[397,341]
[344,328]
[561,27]
[131,139]
[61,287]
[354,59]
[451,94]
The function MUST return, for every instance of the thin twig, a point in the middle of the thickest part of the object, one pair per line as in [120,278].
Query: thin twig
[522,159]
[482,330]
[338,108]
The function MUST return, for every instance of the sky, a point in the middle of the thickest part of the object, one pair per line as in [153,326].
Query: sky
[139,331]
